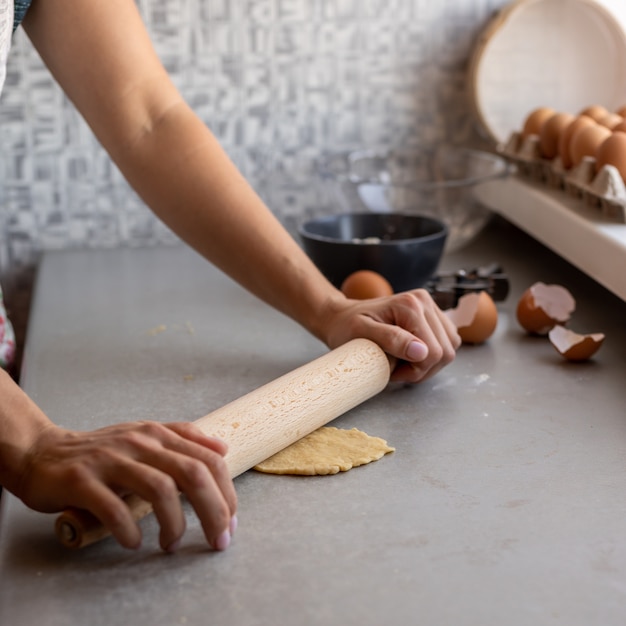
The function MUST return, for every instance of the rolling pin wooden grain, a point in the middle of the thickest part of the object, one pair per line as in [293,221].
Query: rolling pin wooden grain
[268,419]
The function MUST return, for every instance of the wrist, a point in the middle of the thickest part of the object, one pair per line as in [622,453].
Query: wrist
[323,319]
[21,425]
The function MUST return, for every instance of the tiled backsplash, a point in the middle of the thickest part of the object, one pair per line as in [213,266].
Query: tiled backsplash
[288,77]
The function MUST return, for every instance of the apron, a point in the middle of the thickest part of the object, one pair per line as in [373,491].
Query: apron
[21,6]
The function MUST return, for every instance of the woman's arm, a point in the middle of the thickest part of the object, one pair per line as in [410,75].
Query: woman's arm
[101,55]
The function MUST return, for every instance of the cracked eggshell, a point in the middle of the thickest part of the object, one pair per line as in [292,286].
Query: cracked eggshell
[542,307]
[573,346]
[475,317]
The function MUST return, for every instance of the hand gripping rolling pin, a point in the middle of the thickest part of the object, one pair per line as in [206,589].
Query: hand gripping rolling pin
[268,419]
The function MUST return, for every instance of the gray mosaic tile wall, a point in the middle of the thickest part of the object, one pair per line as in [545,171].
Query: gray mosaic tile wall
[278,81]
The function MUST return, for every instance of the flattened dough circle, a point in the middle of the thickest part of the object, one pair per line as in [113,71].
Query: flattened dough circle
[327,450]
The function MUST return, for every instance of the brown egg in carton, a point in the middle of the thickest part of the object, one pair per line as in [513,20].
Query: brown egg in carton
[603,189]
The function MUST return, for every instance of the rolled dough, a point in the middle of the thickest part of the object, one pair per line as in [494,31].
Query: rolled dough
[327,450]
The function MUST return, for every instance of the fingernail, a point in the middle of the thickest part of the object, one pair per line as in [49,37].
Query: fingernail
[233,524]
[222,542]
[173,546]
[416,351]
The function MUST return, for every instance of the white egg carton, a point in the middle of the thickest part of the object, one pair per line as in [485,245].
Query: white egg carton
[575,231]
[603,190]
[565,54]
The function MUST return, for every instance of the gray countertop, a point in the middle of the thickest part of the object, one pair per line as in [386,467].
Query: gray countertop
[504,503]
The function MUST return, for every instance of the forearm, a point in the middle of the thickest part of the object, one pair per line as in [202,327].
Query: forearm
[21,423]
[102,57]
[167,153]
[186,178]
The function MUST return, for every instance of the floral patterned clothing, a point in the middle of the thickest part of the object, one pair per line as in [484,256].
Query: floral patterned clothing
[11,14]
[7,338]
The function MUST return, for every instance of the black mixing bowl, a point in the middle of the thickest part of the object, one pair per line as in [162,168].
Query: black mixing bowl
[404,248]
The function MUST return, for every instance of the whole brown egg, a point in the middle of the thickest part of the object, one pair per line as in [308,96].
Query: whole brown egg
[550,134]
[611,120]
[595,112]
[566,137]
[621,127]
[612,151]
[535,119]
[585,142]
[364,284]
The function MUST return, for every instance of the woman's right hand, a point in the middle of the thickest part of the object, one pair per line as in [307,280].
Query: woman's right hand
[94,470]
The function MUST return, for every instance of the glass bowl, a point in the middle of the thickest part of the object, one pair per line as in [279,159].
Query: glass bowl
[440,182]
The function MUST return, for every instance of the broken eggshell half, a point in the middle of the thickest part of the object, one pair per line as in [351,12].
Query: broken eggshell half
[542,307]
[573,346]
[475,317]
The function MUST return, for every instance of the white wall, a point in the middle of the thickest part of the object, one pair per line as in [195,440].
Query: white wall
[278,81]
[279,78]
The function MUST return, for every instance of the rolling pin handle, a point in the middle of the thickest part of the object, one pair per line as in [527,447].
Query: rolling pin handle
[67,533]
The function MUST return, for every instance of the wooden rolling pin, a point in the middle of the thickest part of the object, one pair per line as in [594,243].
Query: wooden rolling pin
[268,419]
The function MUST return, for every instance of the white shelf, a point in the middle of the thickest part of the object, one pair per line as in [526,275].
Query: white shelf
[577,232]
